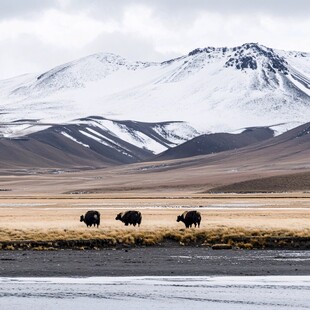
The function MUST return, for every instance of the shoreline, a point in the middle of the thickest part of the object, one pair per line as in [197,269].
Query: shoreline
[234,243]
[154,261]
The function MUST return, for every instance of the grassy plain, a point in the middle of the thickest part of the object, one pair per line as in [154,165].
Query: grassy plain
[249,217]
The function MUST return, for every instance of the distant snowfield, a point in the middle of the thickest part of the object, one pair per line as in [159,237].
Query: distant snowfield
[255,292]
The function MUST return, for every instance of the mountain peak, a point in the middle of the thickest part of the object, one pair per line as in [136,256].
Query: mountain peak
[224,50]
[247,56]
[98,58]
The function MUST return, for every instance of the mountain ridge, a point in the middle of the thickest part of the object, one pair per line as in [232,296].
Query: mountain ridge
[209,90]
[216,143]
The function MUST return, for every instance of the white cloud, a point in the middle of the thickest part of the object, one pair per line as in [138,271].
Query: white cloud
[57,28]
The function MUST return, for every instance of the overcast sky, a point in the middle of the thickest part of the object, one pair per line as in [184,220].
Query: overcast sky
[36,35]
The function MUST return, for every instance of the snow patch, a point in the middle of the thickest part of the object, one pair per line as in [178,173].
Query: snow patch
[73,139]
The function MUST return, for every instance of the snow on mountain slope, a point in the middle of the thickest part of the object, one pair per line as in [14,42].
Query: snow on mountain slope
[127,137]
[213,89]
[86,143]
[77,73]
[152,137]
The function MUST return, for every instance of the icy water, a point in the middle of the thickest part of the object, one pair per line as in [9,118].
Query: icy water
[255,292]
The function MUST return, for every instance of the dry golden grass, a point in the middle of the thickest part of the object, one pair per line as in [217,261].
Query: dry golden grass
[240,221]
[236,237]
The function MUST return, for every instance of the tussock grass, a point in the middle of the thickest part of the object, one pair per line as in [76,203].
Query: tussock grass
[35,239]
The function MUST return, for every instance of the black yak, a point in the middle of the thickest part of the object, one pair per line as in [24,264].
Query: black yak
[189,218]
[91,218]
[130,217]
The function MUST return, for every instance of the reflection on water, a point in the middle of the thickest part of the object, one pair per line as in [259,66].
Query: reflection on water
[273,292]
[266,255]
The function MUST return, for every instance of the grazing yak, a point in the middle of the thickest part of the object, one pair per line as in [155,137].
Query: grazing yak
[130,217]
[189,218]
[91,218]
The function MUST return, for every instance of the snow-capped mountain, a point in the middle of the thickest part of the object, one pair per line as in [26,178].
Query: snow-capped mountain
[210,89]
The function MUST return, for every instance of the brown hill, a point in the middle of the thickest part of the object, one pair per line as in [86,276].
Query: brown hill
[285,155]
[217,142]
[49,148]
[283,183]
